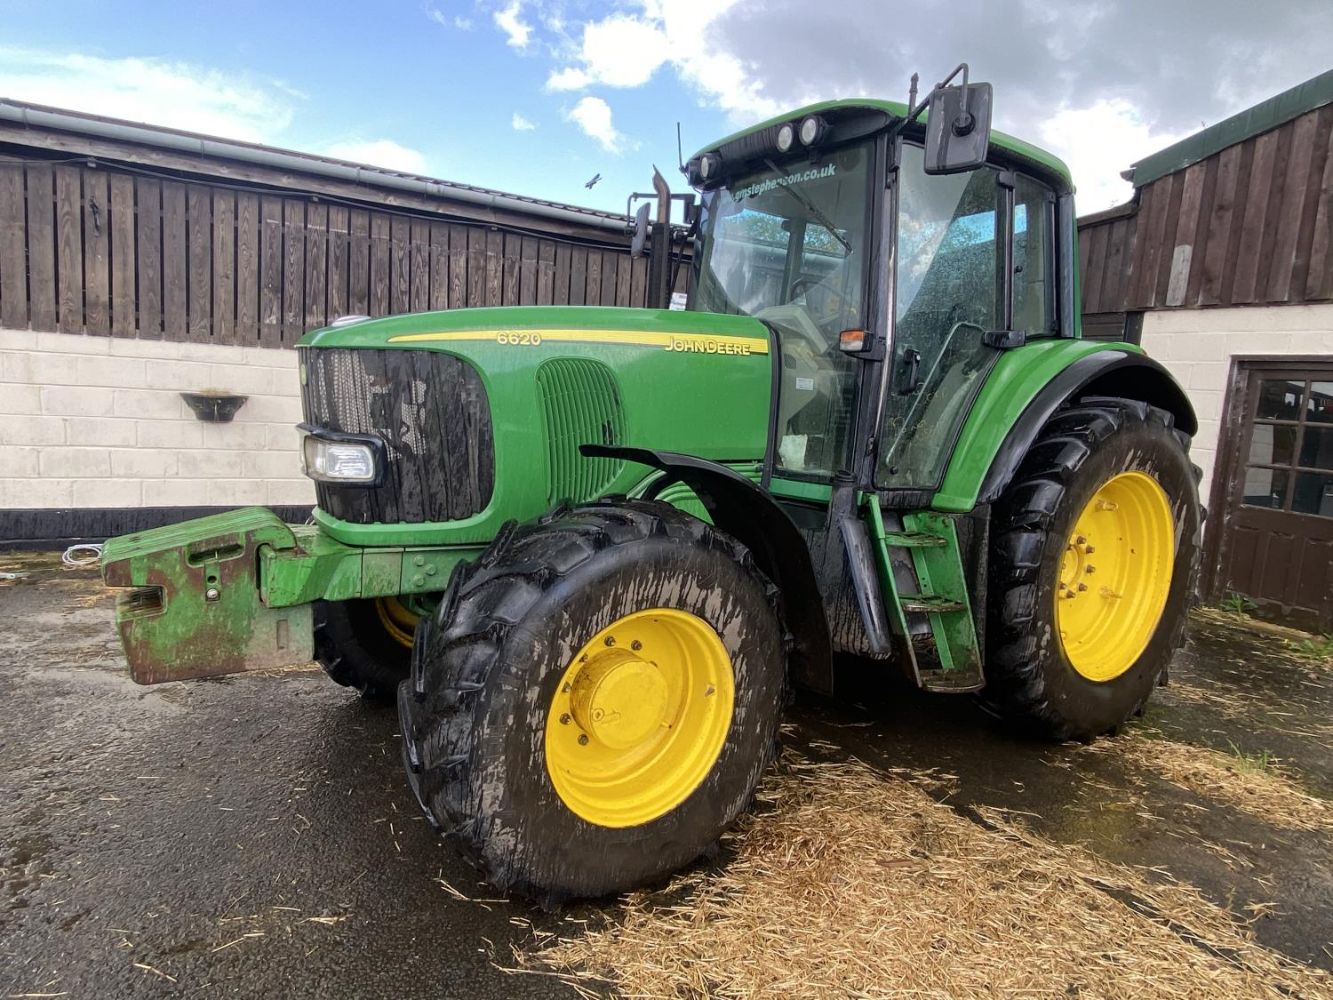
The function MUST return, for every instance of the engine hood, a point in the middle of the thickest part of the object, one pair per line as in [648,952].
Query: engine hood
[561,376]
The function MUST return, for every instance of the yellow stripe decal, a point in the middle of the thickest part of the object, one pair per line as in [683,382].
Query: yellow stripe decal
[688,343]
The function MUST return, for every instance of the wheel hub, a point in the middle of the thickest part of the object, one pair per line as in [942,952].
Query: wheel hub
[1123,542]
[639,717]
[619,699]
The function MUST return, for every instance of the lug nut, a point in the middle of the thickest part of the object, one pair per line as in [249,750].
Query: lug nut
[636,645]
[1089,550]
[1082,587]
[1088,569]
[564,719]
[583,739]
[610,640]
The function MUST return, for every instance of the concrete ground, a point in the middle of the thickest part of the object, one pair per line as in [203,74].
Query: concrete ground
[253,836]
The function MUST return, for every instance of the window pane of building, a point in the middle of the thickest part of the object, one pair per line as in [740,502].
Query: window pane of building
[1319,407]
[1279,399]
[1272,444]
[1265,488]
[1317,447]
[1313,493]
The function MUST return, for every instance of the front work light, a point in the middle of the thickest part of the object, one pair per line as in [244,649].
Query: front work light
[786,137]
[812,130]
[338,461]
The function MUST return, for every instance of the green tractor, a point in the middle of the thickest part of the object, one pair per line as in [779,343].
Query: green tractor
[590,551]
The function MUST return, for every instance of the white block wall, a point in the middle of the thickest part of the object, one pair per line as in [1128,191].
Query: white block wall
[1198,346]
[98,422]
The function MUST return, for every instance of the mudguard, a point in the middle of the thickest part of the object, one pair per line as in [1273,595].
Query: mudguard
[744,511]
[1026,389]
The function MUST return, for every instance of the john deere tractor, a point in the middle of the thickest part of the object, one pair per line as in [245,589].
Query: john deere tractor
[590,551]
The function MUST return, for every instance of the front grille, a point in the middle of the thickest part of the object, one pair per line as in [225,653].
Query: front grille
[580,405]
[431,411]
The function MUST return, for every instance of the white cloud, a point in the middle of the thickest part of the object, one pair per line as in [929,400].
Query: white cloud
[171,94]
[1097,142]
[380,153]
[1100,82]
[521,123]
[619,51]
[447,20]
[593,116]
[517,31]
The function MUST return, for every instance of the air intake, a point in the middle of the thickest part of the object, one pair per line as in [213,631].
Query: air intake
[580,405]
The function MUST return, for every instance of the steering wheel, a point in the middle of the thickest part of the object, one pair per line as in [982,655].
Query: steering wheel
[835,300]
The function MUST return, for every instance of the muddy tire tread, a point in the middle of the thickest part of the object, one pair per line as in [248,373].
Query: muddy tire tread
[1015,688]
[453,659]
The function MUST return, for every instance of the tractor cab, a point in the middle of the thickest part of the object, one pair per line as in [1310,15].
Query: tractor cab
[893,263]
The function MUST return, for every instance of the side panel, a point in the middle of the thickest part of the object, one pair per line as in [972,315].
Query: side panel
[1025,387]
[685,382]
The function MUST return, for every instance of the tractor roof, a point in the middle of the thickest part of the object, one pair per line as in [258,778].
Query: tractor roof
[1010,144]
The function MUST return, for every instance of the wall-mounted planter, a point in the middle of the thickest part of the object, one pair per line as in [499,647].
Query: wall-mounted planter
[214,406]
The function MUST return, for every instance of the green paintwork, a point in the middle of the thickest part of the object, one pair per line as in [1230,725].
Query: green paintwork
[195,610]
[683,498]
[1016,379]
[1010,144]
[712,405]
[324,569]
[940,571]
[930,541]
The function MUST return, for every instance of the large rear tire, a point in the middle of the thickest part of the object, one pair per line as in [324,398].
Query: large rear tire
[595,699]
[1093,567]
[365,644]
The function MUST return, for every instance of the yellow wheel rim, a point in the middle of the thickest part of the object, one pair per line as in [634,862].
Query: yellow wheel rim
[398,620]
[1115,575]
[639,717]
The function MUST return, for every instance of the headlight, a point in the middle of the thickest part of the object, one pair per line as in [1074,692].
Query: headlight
[338,461]
[812,130]
[786,136]
[709,165]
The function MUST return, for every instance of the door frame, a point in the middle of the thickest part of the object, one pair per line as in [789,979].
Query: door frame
[1232,449]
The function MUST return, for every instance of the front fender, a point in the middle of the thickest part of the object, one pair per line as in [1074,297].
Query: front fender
[1025,388]
[744,511]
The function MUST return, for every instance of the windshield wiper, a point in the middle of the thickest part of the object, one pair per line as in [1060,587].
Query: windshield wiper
[809,206]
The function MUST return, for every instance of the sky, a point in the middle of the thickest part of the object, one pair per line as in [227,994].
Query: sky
[537,97]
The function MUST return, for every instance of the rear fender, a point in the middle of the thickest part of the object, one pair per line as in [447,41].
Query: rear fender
[1010,413]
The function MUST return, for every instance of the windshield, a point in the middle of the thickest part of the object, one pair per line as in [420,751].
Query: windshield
[788,244]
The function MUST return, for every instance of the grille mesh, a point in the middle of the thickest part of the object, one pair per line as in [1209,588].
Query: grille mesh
[432,413]
[580,405]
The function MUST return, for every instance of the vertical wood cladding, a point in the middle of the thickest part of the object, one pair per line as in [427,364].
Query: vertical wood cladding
[100,251]
[1250,225]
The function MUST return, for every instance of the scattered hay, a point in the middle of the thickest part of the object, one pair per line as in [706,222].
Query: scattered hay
[1259,788]
[848,882]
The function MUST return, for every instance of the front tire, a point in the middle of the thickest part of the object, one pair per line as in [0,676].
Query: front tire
[365,644]
[595,699]
[1093,567]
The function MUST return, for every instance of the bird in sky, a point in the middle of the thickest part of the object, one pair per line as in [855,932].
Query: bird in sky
[592,183]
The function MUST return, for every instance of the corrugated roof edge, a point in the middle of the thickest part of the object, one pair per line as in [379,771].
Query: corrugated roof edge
[1009,143]
[1263,117]
[206,145]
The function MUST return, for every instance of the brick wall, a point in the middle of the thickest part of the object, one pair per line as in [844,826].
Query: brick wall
[1198,345]
[98,422]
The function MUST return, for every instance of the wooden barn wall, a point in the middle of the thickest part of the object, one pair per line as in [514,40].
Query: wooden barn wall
[1251,225]
[93,250]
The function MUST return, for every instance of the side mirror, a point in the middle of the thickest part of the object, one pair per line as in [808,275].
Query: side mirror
[958,128]
[641,228]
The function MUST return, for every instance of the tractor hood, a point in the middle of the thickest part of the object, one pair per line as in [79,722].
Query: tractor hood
[482,411]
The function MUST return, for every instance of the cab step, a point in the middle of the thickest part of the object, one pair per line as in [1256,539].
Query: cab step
[943,650]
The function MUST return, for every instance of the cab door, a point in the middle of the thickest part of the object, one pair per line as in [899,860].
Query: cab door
[972,256]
